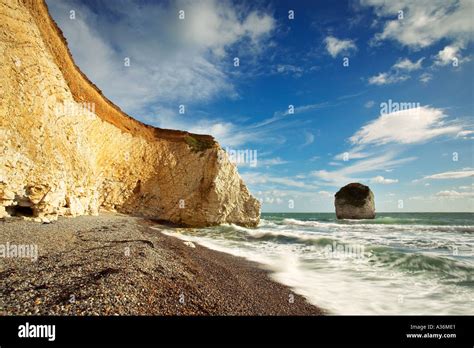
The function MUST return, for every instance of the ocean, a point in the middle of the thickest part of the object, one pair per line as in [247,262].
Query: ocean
[398,263]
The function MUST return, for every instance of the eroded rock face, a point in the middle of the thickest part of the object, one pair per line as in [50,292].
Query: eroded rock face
[355,201]
[67,150]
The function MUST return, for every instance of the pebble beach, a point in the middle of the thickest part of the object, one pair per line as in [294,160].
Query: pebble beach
[115,264]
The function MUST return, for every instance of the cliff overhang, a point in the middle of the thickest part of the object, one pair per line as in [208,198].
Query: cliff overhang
[55,161]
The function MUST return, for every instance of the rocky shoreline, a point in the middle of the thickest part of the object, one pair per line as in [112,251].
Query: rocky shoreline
[115,264]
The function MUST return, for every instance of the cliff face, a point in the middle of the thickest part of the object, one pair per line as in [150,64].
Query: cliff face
[67,150]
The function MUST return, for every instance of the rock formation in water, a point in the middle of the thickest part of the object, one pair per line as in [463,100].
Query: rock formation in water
[355,201]
[67,150]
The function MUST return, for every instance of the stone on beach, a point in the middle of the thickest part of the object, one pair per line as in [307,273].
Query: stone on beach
[189,244]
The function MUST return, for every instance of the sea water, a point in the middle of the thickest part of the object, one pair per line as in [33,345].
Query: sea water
[398,263]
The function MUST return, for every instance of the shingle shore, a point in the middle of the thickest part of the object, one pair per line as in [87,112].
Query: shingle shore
[114,264]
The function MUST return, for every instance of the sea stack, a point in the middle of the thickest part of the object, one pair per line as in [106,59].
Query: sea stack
[355,201]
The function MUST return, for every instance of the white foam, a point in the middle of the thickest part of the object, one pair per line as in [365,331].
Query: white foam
[358,224]
[342,285]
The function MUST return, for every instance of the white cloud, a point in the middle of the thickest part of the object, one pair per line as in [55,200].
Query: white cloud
[257,178]
[424,22]
[335,46]
[446,55]
[351,155]
[305,108]
[303,200]
[396,73]
[326,194]
[279,115]
[465,134]
[269,200]
[271,162]
[172,61]
[405,127]
[450,55]
[229,134]
[455,194]
[387,78]
[381,180]
[287,69]
[425,77]
[346,174]
[408,65]
[452,175]
[382,162]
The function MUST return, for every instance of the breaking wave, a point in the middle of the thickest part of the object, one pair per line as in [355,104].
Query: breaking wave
[360,267]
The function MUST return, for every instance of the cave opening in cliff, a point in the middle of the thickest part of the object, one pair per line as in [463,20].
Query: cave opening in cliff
[16,210]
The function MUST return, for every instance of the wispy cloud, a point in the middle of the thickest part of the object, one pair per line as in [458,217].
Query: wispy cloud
[289,69]
[408,65]
[326,194]
[455,194]
[406,127]
[387,78]
[352,155]
[336,46]
[257,178]
[381,180]
[308,139]
[377,145]
[467,173]
[352,172]
[271,162]
[466,134]
[397,73]
[226,132]
[426,77]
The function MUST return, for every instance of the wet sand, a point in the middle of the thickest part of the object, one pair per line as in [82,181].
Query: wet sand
[114,264]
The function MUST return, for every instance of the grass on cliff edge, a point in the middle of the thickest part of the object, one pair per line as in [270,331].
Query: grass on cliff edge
[198,144]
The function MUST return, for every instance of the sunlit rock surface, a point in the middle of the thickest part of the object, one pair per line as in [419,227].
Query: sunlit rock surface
[67,150]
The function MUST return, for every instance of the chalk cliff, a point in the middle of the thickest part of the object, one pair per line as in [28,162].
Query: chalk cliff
[67,150]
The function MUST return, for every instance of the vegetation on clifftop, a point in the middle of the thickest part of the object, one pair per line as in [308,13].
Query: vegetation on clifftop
[198,144]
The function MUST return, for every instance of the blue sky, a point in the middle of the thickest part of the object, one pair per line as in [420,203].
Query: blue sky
[337,65]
